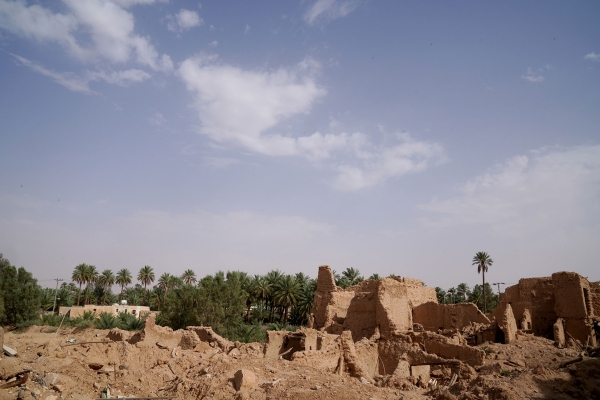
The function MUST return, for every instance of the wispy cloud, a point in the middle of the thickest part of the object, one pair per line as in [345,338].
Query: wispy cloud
[83,31]
[80,83]
[67,79]
[214,43]
[183,20]
[532,76]
[246,29]
[330,10]
[592,57]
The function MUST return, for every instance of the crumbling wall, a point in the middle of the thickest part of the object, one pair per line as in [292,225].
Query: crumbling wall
[361,315]
[384,304]
[330,303]
[573,303]
[535,295]
[433,316]
[506,322]
[393,307]
[570,295]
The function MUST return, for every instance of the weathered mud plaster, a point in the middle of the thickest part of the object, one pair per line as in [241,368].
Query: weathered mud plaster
[433,316]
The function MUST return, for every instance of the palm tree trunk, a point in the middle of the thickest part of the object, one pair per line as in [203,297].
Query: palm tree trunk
[483,288]
[79,294]
[121,295]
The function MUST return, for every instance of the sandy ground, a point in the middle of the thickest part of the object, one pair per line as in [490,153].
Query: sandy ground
[157,366]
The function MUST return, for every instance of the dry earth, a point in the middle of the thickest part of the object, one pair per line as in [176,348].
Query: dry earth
[158,365]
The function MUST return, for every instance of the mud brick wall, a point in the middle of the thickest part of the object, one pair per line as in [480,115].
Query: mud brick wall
[435,316]
[536,295]
[569,295]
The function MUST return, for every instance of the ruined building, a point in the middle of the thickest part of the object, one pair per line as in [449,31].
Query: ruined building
[563,306]
[394,326]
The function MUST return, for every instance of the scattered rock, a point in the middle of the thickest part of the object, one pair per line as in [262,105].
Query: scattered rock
[244,379]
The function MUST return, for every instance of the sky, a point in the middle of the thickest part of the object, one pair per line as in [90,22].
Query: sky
[393,137]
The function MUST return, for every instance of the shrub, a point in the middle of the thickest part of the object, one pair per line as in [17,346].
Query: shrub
[106,321]
[130,322]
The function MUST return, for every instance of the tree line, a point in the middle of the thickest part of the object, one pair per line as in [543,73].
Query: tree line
[237,305]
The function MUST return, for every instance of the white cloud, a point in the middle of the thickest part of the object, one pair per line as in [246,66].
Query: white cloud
[531,76]
[407,157]
[110,29]
[184,20]
[242,107]
[247,29]
[330,10]
[214,43]
[239,106]
[556,186]
[592,57]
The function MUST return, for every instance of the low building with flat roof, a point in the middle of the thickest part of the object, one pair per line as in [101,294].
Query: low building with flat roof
[115,309]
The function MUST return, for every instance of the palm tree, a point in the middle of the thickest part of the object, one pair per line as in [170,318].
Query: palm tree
[90,276]
[78,277]
[106,279]
[146,276]
[462,291]
[165,282]
[451,293]
[374,277]
[189,277]
[483,261]
[286,293]
[353,276]
[123,278]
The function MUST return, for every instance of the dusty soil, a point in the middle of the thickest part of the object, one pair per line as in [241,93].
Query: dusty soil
[527,369]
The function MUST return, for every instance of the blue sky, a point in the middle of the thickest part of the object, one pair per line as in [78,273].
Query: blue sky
[393,137]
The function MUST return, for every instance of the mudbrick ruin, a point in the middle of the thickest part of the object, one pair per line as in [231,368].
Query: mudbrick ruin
[384,339]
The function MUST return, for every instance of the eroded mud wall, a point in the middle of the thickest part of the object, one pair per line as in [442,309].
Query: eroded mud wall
[536,295]
[435,316]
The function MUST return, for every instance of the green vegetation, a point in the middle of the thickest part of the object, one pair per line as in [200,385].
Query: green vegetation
[20,295]
[462,293]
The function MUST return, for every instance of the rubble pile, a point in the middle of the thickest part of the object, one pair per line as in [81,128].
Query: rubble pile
[384,339]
